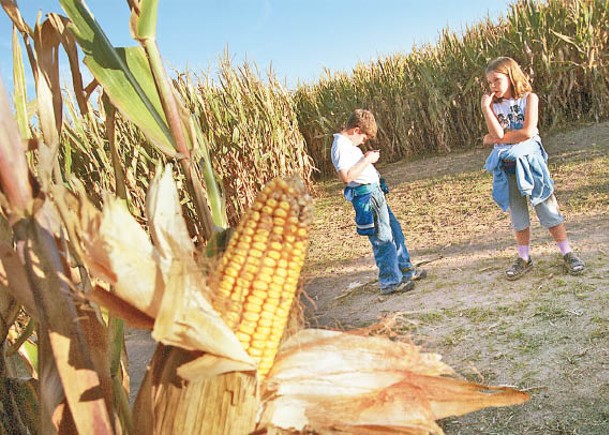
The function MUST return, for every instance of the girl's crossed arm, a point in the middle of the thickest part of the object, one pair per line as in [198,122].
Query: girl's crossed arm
[529,129]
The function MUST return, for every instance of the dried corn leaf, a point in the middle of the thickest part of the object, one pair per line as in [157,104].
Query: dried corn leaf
[167,226]
[367,385]
[14,173]
[118,250]
[13,278]
[119,308]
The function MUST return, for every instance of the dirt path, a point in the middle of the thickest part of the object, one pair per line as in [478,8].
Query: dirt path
[547,333]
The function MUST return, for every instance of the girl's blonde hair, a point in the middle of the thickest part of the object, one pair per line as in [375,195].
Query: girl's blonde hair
[519,83]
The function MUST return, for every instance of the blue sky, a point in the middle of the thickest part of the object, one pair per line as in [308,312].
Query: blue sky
[298,38]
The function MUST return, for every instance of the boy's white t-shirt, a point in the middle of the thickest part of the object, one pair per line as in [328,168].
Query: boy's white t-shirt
[345,155]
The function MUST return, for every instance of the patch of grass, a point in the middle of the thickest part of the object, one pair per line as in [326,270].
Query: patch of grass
[480,315]
[525,342]
[601,332]
[456,336]
[431,317]
[550,311]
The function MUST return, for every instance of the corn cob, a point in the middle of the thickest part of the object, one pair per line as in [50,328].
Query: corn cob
[257,277]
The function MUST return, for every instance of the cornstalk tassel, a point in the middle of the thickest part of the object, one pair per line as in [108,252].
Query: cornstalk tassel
[257,277]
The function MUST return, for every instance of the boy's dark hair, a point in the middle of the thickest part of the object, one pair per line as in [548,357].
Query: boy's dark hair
[364,120]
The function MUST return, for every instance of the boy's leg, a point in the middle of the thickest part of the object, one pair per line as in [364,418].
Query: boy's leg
[409,272]
[404,262]
[383,247]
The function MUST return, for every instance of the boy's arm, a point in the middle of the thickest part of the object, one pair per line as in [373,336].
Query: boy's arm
[348,175]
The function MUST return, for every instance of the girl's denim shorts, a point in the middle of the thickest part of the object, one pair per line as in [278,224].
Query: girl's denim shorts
[547,212]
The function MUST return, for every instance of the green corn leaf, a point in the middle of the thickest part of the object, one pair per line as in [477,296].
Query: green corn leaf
[143,24]
[20,94]
[125,75]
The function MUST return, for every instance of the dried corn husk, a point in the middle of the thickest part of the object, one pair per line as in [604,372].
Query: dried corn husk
[329,381]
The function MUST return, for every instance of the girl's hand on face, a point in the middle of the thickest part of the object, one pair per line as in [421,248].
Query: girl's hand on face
[487,100]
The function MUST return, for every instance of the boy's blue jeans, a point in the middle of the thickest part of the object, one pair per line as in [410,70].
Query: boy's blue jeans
[388,245]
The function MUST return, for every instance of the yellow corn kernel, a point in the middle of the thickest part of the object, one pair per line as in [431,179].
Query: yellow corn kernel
[274,255]
[260,285]
[259,344]
[247,328]
[251,316]
[231,271]
[251,299]
[282,313]
[275,294]
[277,283]
[265,323]
[252,308]
[259,245]
[252,265]
[282,272]
[261,333]
[280,212]
[267,315]
[266,274]
[243,337]
[254,352]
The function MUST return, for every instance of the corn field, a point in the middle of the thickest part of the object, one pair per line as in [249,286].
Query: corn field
[428,100]
[118,198]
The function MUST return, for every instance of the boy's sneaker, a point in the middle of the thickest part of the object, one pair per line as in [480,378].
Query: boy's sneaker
[519,268]
[573,264]
[414,273]
[402,287]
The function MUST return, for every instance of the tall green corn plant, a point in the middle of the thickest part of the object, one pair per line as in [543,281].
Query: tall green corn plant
[251,129]
[135,82]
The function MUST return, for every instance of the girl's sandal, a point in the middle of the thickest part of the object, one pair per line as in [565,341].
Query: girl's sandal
[573,264]
[519,268]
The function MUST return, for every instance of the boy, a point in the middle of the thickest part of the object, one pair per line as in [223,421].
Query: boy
[373,217]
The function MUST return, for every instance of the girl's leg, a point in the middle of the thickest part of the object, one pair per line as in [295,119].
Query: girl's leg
[550,217]
[523,240]
[559,233]
[519,215]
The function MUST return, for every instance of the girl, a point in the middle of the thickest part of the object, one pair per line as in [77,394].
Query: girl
[518,163]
